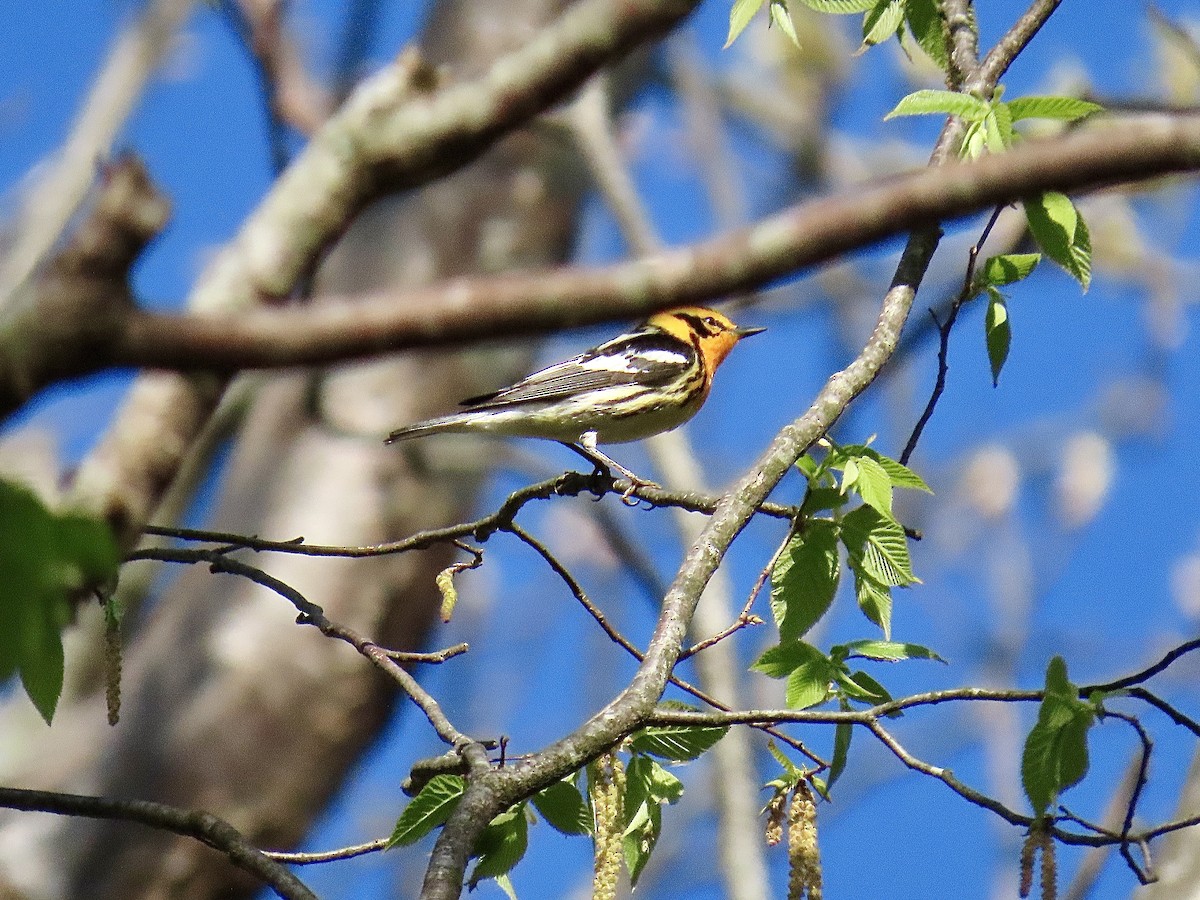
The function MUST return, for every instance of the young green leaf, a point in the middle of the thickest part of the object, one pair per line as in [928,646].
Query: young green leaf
[1066,109]
[781,17]
[901,475]
[879,545]
[739,17]
[805,578]
[564,808]
[1061,233]
[840,7]
[881,22]
[647,786]
[1009,268]
[841,749]
[874,599]
[874,485]
[429,809]
[998,332]
[862,687]
[45,559]
[1056,756]
[808,672]
[888,651]
[678,743]
[501,845]
[928,26]
[945,103]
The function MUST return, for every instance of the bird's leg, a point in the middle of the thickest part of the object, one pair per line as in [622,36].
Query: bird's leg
[587,446]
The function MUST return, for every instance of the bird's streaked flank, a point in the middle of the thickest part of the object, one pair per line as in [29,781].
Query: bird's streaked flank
[641,383]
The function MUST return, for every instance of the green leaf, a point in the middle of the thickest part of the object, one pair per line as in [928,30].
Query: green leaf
[1055,756]
[974,141]
[647,786]
[1066,109]
[805,578]
[505,884]
[678,743]
[928,26]
[888,651]
[901,475]
[1009,268]
[874,599]
[739,17]
[818,499]
[564,808]
[1061,233]
[878,545]
[841,750]
[882,22]
[840,7]
[874,485]
[501,845]
[808,672]
[780,16]
[46,558]
[429,809]
[998,132]
[863,687]
[999,333]
[945,103]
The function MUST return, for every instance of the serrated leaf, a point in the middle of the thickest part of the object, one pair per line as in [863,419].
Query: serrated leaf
[1061,233]
[998,331]
[805,578]
[840,7]
[901,475]
[842,736]
[781,17]
[1000,121]
[874,485]
[882,22]
[1066,109]
[875,600]
[564,808]
[739,17]
[429,809]
[46,558]
[501,845]
[879,545]
[1009,268]
[928,26]
[678,743]
[1055,756]
[822,498]
[889,651]
[861,686]
[791,770]
[647,786]
[945,103]
[808,672]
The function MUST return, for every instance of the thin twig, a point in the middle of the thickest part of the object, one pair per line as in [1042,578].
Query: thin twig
[966,293]
[308,859]
[203,826]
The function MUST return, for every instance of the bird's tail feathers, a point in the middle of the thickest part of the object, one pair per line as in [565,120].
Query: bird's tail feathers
[430,426]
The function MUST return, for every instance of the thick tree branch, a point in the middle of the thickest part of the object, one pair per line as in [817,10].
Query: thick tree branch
[528,303]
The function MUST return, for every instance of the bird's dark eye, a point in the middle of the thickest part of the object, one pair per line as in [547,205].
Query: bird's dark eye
[712,323]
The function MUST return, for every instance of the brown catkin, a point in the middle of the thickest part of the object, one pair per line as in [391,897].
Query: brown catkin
[607,795]
[1049,868]
[804,858]
[1028,857]
[112,659]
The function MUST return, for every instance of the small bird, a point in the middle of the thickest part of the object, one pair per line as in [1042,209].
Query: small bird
[641,383]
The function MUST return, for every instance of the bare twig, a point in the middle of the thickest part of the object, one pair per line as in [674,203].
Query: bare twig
[204,827]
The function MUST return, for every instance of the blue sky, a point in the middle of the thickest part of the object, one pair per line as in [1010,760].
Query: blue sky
[1103,591]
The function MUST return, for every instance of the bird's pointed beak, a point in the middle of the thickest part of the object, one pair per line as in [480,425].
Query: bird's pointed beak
[746,332]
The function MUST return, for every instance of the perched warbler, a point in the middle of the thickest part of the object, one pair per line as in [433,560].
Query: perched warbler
[640,383]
